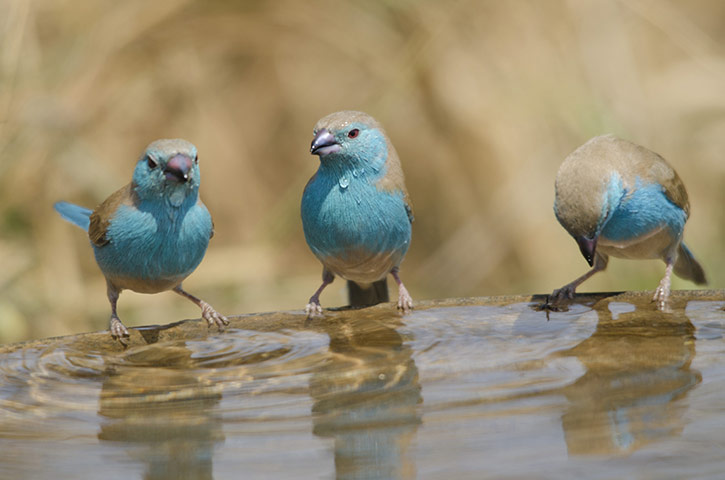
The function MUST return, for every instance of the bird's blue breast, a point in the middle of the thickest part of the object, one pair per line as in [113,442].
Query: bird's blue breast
[640,211]
[344,213]
[155,242]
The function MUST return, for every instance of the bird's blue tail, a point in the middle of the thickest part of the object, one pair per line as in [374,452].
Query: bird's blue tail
[74,214]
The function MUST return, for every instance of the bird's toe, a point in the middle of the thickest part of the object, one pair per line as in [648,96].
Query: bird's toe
[661,297]
[119,331]
[405,303]
[555,302]
[213,317]
[313,309]
[564,293]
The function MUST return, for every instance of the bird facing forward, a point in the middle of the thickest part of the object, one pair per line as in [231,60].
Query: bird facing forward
[356,213]
[151,234]
[620,199]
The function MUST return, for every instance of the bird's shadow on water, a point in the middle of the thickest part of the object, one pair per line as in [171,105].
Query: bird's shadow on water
[638,374]
[158,403]
[163,413]
[366,396]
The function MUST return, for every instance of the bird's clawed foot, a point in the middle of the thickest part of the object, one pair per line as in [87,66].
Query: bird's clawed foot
[213,317]
[313,309]
[208,313]
[405,301]
[555,302]
[564,293]
[662,295]
[662,292]
[118,330]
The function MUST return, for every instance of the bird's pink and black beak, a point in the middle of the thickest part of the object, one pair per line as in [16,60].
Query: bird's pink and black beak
[588,247]
[324,143]
[178,168]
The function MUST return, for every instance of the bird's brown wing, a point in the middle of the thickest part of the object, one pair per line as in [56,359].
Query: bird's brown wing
[102,215]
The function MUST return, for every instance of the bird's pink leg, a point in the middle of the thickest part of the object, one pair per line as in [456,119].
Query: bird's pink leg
[313,307]
[567,291]
[405,301]
[208,313]
[118,330]
[662,292]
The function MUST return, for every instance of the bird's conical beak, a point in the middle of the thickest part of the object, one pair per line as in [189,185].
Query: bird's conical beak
[324,143]
[178,168]
[588,247]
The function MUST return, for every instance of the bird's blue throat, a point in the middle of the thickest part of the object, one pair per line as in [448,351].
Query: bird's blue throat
[173,240]
[345,211]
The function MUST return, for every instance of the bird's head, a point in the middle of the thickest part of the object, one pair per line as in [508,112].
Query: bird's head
[588,190]
[579,211]
[168,169]
[350,139]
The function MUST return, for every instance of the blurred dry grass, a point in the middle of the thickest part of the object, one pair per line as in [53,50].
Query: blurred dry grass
[483,99]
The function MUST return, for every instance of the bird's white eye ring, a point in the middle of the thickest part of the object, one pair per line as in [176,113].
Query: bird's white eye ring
[151,162]
[353,133]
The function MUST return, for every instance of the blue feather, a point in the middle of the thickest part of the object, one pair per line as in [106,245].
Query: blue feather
[74,214]
[620,199]
[347,214]
[151,234]
[165,244]
[355,213]
[343,210]
[636,213]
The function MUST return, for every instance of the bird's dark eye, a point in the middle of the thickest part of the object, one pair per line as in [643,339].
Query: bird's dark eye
[353,133]
[152,163]
[196,159]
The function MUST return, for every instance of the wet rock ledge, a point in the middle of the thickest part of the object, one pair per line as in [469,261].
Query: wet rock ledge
[196,329]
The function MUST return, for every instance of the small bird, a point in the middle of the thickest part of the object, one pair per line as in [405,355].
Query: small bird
[620,199]
[151,234]
[356,213]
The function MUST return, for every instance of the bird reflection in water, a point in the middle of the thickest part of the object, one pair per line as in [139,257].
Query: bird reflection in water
[637,375]
[161,408]
[366,398]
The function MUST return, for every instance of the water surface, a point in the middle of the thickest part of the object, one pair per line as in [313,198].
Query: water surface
[474,388]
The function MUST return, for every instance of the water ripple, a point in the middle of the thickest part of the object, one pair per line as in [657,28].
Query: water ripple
[47,381]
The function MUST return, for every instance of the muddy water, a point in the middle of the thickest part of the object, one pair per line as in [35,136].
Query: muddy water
[474,388]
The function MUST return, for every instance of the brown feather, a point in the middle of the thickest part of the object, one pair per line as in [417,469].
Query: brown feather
[394,179]
[583,176]
[102,215]
[688,268]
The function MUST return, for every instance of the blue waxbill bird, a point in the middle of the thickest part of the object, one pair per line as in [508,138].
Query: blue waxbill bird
[620,199]
[355,210]
[151,234]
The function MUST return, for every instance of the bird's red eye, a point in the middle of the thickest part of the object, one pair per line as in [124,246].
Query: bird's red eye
[353,133]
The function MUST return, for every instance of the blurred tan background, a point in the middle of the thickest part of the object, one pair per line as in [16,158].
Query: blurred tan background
[483,100]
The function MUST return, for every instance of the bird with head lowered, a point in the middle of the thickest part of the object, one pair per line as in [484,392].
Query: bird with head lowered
[620,199]
[153,233]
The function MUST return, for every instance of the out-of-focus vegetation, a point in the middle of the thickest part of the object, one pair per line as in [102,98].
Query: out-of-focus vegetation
[483,100]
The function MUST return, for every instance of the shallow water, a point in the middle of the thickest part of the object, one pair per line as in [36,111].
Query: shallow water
[478,388]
